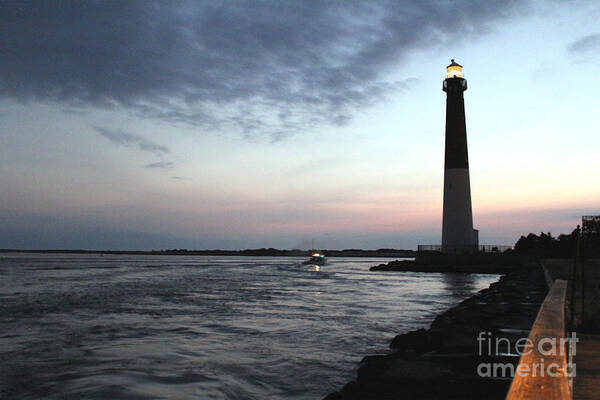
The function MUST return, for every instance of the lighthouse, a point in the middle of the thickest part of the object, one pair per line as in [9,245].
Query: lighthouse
[458,235]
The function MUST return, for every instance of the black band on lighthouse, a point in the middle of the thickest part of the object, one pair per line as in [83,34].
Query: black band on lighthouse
[456,130]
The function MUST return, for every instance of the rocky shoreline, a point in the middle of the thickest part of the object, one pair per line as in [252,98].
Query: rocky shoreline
[412,266]
[443,361]
[480,263]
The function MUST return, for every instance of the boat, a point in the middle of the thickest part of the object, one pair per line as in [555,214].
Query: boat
[317,258]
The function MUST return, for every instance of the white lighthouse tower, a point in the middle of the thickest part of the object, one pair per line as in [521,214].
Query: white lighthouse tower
[458,235]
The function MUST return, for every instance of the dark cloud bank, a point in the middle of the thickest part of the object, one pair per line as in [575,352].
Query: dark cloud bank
[272,67]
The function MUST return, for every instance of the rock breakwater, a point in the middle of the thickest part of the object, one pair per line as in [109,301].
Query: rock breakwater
[477,263]
[445,361]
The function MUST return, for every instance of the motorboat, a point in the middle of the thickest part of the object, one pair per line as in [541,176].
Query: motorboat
[317,258]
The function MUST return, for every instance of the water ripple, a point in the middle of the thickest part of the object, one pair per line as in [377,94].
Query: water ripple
[128,327]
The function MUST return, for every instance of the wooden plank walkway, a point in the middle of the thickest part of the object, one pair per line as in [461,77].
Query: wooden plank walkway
[550,323]
[586,384]
[586,360]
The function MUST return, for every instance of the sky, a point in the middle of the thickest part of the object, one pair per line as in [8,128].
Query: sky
[234,124]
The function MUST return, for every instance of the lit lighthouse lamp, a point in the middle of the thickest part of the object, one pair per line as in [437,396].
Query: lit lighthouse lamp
[454,70]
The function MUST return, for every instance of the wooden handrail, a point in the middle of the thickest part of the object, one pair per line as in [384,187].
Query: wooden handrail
[549,325]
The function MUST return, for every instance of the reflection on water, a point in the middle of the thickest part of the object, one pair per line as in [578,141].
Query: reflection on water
[82,326]
[461,285]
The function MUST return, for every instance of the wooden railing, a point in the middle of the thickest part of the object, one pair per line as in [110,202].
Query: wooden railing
[531,380]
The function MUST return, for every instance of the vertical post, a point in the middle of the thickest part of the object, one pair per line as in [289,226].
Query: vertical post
[574,279]
[582,255]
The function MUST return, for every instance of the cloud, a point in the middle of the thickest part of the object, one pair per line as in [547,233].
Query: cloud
[160,164]
[585,44]
[257,67]
[123,138]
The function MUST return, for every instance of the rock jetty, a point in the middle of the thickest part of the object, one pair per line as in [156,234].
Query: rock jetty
[445,361]
[480,263]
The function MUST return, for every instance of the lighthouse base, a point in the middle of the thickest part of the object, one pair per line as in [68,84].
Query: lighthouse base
[458,235]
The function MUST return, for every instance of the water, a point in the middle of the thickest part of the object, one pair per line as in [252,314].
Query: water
[85,326]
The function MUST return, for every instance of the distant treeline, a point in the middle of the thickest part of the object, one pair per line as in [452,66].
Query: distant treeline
[248,252]
[563,246]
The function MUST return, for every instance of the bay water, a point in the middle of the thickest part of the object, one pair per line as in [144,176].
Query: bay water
[201,327]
